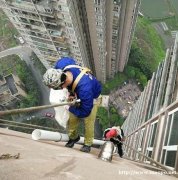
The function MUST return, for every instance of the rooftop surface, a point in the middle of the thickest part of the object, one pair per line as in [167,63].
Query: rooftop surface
[51,160]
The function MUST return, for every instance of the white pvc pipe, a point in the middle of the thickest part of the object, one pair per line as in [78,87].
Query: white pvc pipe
[98,142]
[39,134]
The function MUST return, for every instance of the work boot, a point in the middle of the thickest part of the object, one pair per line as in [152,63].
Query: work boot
[71,142]
[86,148]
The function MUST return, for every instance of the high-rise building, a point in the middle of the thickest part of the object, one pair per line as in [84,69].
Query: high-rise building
[151,126]
[97,33]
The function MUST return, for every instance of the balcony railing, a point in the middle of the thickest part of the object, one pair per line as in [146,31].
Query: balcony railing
[21,4]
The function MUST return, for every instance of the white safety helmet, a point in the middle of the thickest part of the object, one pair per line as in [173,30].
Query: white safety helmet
[52,78]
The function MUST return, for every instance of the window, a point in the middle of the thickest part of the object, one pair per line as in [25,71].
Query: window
[99,17]
[152,135]
[65,9]
[170,159]
[169,149]
[168,129]
[97,2]
[140,142]
[60,8]
[66,16]
[49,11]
[174,131]
[99,35]
[98,23]
[99,30]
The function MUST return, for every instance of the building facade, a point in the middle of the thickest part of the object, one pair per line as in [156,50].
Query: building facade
[151,126]
[97,33]
[11,90]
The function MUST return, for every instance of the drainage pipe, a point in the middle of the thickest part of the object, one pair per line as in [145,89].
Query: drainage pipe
[39,134]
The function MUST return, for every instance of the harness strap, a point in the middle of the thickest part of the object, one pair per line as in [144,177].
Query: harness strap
[83,71]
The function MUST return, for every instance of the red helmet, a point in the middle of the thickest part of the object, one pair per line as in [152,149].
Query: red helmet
[111,133]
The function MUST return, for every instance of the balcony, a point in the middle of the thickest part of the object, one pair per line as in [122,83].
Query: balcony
[51,58]
[44,46]
[36,23]
[52,27]
[38,35]
[44,50]
[49,20]
[44,3]
[26,15]
[47,42]
[30,22]
[21,4]
[63,51]
[34,28]
[61,39]
[2,4]
[59,15]
[56,33]
[49,53]
[18,1]
[62,2]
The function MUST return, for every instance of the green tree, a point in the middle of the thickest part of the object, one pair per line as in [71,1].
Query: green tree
[31,86]
[147,49]
[106,121]
[130,71]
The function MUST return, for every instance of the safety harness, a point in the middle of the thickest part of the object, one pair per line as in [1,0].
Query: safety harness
[83,71]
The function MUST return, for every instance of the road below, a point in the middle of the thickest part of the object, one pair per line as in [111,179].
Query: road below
[168,41]
[24,52]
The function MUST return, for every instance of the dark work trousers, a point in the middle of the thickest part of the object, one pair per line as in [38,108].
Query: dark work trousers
[119,148]
[118,144]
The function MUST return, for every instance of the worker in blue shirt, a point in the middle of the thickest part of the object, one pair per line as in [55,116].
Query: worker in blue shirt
[82,85]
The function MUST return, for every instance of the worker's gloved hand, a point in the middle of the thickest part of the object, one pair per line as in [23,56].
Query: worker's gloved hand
[114,141]
[71,98]
[66,107]
[77,103]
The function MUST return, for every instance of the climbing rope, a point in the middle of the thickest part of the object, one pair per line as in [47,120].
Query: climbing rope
[24,110]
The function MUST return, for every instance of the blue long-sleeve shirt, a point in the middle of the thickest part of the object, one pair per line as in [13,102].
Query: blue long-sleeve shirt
[87,89]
